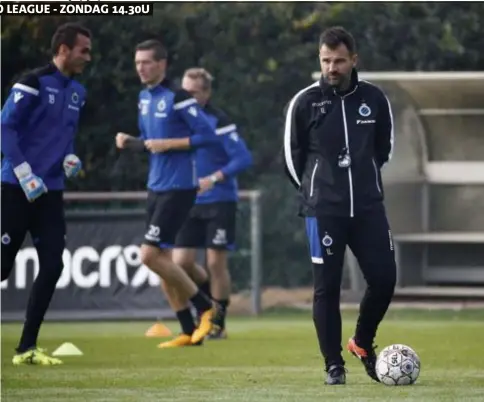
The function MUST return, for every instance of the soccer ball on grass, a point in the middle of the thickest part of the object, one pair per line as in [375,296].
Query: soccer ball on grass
[398,365]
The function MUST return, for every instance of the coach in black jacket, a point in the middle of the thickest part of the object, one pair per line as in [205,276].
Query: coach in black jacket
[338,135]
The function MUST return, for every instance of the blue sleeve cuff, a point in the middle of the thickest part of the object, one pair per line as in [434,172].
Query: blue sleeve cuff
[236,167]
[227,172]
[197,140]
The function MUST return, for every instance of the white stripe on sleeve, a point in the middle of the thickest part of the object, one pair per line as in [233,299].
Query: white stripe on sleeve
[226,129]
[287,133]
[392,132]
[26,88]
[185,103]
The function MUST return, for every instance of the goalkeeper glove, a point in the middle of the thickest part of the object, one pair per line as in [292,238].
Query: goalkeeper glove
[32,185]
[72,165]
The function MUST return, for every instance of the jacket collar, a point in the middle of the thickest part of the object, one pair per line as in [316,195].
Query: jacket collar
[64,79]
[353,84]
[166,83]
[208,106]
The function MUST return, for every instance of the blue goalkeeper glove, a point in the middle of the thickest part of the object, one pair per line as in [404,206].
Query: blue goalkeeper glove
[32,185]
[72,165]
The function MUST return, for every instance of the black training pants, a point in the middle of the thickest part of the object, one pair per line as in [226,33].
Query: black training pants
[44,219]
[369,237]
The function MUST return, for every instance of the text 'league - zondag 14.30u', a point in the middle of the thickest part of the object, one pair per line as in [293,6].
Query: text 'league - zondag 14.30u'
[34,8]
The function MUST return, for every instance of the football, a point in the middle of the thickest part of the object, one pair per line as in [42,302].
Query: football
[398,365]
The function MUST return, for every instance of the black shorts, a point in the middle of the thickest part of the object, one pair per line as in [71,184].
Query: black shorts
[209,226]
[166,212]
[43,219]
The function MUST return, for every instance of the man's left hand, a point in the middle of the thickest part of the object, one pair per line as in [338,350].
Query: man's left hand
[160,145]
[205,184]
[72,165]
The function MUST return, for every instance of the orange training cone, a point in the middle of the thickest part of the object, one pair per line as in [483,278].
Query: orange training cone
[158,330]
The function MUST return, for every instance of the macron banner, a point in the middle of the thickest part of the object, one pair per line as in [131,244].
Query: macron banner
[103,277]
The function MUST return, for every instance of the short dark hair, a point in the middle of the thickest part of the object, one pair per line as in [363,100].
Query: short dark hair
[159,51]
[66,34]
[335,36]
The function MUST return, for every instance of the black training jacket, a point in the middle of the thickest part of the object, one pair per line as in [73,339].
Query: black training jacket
[335,145]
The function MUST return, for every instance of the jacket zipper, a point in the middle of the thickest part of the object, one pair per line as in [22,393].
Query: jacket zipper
[149,116]
[347,142]
[311,190]
[376,175]
[194,171]
[64,106]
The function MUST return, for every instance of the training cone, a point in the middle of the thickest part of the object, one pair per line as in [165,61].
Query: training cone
[158,330]
[67,349]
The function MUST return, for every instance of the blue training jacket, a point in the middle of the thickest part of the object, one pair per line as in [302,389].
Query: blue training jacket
[165,112]
[229,155]
[39,122]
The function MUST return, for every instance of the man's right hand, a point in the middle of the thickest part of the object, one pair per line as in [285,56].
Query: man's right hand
[32,185]
[121,139]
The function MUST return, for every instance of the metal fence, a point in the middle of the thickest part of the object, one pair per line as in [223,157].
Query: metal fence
[103,277]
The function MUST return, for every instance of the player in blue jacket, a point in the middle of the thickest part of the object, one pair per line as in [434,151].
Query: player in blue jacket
[211,223]
[171,125]
[39,123]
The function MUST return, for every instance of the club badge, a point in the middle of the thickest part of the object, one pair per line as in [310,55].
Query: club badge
[364,110]
[327,240]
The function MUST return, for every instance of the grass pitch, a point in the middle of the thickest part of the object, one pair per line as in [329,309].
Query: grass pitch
[270,359]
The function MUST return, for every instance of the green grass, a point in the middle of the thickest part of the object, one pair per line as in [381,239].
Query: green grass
[271,359]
